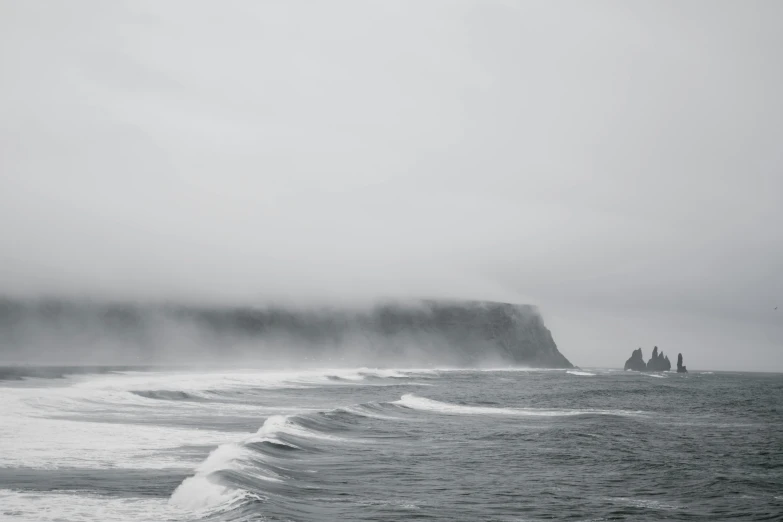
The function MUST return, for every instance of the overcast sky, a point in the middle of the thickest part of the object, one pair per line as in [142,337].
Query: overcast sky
[619,164]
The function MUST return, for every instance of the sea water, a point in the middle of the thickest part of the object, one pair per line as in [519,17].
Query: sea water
[123,444]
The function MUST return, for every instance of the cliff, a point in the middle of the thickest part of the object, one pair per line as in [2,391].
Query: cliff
[465,333]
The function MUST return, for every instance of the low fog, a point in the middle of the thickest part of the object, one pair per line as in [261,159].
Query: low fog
[617,164]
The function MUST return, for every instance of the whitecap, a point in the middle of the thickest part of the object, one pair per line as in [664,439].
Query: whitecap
[423,404]
[82,507]
[201,492]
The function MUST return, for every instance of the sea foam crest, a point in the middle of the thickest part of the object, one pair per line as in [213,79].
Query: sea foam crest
[423,404]
[205,491]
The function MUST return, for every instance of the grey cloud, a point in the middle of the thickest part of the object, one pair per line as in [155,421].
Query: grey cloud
[618,164]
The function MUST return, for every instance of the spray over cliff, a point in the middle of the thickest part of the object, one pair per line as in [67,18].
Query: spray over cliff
[432,332]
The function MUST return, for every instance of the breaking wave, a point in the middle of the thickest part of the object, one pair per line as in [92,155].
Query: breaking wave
[285,455]
[217,388]
[578,372]
[270,463]
[415,402]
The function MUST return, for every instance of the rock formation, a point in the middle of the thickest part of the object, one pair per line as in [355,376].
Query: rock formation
[680,367]
[636,362]
[658,362]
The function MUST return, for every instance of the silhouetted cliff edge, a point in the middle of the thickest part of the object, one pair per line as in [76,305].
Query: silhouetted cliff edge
[459,333]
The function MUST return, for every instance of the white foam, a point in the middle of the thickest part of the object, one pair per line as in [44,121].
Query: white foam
[656,375]
[196,383]
[273,425]
[642,503]
[419,371]
[95,422]
[523,369]
[202,493]
[44,426]
[277,424]
[366,412]
[81,507]
[577,372]
[420,403]
[32,440]
[225,456]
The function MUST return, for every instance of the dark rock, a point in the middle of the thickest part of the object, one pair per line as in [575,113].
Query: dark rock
[680,367]
[636,362]
[658,362]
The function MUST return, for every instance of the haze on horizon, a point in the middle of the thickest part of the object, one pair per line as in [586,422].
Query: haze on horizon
[620,165]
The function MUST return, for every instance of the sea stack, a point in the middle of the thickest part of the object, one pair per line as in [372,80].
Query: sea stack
[680,367]
[658,362]
[636,362]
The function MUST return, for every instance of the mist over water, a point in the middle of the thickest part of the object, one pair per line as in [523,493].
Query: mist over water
[315,261]
[397,334]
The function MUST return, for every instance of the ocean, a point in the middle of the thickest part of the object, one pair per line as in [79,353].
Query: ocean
[136,444]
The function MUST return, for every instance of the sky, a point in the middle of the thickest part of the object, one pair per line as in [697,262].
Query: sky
[618,164]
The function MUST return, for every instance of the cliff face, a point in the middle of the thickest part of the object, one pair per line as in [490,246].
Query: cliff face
[423,332]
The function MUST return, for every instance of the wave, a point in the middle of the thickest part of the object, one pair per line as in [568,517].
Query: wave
[254,468]
[275,461]
[24,372]
[373,411]
[203,491]
[78,506]
[168,395]
[208,489]
[217,387]
[285,454]
[577,372]
[414,402]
